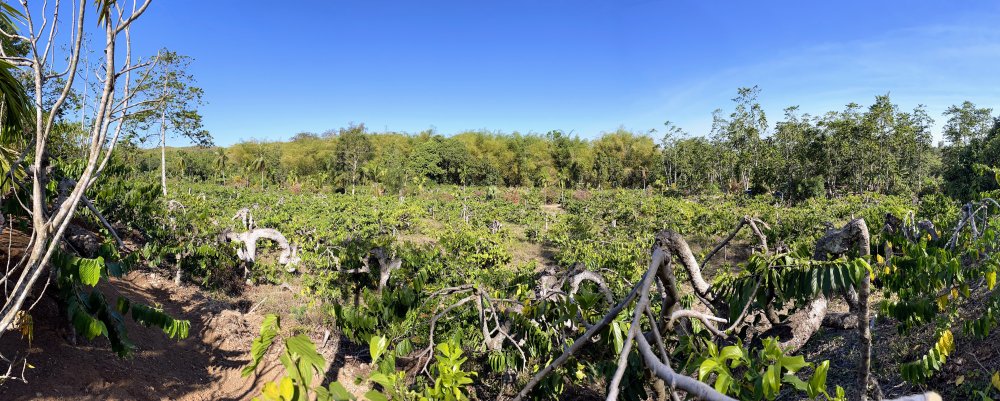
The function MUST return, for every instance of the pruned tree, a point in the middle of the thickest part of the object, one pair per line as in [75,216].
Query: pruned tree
[247,251]
[669,248]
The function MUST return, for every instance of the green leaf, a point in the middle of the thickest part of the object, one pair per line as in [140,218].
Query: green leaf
[86,324]
[302,346]
[706,368]
[796,382]
[268,330]
[122,305]
[793,363]
[173,328]
[772,382]
[403,348]
[732,352]
[817,383]
[375,396]
[90,270]
[287,388]
[616,331]
[339,393]
[271,391]
[115,269]
[382,379]
[722,382]
[376,346]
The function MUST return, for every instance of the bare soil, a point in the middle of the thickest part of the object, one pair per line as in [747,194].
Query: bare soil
[204,366]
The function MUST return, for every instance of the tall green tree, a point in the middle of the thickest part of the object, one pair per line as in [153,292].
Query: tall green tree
[973,136]
[966,123]
[742,132]
[221,160]
[352,151]
[177,108]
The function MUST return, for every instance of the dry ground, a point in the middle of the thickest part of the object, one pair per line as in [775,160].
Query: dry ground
[204,366]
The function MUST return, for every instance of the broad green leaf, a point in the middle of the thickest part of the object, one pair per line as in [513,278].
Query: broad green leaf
[722,382]
[268,330]
[339,393]
[732,352]
[707,366]
[382,379]
[302,346]
[375,396]
[287,388]
[122,305]
[796,382]
[817,383]
[616,331]
[376,346]
[271,391]
[90,270]
[793,363]
[864,264]
[87,325]
[771,381]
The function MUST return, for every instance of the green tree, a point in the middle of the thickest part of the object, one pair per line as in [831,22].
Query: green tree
[967,123]
[352,151]
[625,159]
[743,133]
[177,105]
[221,160]
[973,136]
[259,165]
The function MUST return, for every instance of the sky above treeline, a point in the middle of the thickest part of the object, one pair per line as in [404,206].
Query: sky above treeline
[273,69]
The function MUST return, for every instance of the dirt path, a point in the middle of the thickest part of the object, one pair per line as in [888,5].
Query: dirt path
[204,366]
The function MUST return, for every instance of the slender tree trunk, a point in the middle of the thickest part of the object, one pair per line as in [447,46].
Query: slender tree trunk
[354,175]
[864,330]
[163,144]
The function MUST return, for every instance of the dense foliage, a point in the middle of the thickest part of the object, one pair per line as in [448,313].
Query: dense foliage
[878,148]
[462,255]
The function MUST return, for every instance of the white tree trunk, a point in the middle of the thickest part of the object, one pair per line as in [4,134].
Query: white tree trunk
[48,228]
[163,144]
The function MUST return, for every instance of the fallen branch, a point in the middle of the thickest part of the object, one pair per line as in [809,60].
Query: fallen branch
[65,186]
[745,221]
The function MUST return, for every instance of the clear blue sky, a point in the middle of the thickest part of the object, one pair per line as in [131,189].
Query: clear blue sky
[271,69]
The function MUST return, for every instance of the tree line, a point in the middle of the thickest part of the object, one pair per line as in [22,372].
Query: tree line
[877,148]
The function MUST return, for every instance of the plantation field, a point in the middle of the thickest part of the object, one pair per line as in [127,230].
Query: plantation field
[507,278]
[169,238]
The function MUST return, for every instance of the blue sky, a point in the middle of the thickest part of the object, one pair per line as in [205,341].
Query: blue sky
[271,69]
